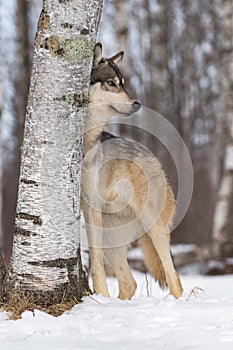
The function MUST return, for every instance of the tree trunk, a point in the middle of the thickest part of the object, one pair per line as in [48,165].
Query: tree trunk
[2,268]
[221,234]
[11,171]
[121,25]
[2,276]
[46,259]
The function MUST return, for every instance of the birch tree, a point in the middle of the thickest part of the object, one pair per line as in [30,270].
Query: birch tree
[2,276]
[2,269]
[221,234]
[222,237]
[46,261]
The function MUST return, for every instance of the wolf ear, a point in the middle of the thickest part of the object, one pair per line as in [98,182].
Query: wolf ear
[97,54]
[117,58]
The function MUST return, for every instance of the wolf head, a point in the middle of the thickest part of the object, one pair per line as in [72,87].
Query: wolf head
[107,89]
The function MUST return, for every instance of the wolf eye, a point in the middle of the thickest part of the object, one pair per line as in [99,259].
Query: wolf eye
[111,83]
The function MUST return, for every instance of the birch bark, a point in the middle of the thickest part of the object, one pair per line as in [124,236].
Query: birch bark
[2,268]
[222,237]
[2,273]
[46,255]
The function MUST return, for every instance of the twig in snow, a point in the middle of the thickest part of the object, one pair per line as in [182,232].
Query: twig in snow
[194,292]
[97,301]
[147,283]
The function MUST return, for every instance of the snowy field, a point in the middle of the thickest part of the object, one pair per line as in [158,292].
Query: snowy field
[201,320]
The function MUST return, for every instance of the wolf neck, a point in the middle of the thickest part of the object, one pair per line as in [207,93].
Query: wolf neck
[94,127]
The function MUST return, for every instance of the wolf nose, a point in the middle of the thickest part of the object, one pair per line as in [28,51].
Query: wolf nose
[136,105]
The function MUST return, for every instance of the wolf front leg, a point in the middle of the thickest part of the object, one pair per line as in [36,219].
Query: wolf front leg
[94,234]
[118,262]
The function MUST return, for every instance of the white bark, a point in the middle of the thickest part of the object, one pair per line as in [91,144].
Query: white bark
[0,157]
[222,210]
[47,219]
[2,269]
[222,237]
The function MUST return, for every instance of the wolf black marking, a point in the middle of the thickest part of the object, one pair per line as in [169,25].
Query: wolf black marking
[105,136]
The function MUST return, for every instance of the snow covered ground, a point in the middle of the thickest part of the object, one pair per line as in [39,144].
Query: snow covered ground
[200,320]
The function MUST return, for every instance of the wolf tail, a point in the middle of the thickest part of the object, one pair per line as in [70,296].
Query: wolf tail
[152,260]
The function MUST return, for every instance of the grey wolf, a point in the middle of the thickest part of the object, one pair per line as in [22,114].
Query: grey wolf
[124,192]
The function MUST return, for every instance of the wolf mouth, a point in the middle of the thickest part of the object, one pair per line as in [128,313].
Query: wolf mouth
[120,112]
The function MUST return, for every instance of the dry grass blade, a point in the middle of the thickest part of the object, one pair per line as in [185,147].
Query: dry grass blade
[195,291]
[19,303]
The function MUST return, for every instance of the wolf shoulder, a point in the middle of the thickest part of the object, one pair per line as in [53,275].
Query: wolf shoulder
[117,147]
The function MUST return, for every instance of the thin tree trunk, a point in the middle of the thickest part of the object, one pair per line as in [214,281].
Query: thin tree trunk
[11,172]
[121,26]
[2,276]
[221,234]
[2,267]
[46,256]
[222,237]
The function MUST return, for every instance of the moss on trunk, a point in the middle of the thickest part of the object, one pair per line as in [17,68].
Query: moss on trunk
[74,49]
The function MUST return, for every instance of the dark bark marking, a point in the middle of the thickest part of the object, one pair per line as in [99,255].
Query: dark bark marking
[45,142]
[25,243]
[61,263]
[29,114]
[67,25]
[84,31]
[35,219]
[29,182]
[23,232]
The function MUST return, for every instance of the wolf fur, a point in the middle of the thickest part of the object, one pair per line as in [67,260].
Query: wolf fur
[124,193]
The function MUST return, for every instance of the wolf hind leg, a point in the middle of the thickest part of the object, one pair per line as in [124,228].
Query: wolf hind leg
[119,264]
[152,260]
[161,239]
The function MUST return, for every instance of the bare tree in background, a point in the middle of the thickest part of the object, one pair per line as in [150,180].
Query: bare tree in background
[11,170]
[175,52]
[222,232]
[2,268]
[46,259]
